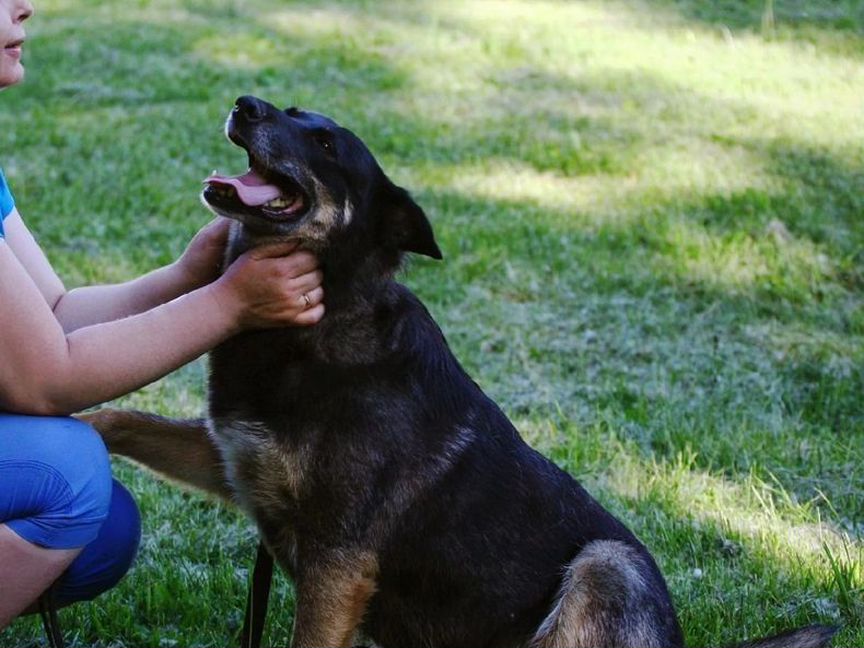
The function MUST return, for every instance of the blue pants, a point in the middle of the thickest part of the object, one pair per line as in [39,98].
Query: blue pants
[56,491]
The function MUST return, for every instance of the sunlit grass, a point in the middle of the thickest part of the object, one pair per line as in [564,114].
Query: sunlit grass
[651,217]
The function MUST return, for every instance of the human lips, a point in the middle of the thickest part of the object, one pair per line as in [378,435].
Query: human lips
[13,48]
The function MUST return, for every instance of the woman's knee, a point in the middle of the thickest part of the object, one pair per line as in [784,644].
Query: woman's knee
[64,480]
[88,472]
[104,561]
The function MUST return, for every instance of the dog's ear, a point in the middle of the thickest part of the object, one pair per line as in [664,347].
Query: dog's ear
[404,224]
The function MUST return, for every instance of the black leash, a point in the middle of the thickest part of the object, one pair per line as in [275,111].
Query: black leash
[253,623]
[256,602]
[50,621]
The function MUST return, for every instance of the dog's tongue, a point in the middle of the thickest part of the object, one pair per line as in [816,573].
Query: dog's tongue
[251,188]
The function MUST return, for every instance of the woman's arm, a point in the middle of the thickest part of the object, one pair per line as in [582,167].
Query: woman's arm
[44,370]
[90,305]
[94,304]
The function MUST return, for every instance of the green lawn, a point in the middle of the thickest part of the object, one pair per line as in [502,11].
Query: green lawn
[652,216]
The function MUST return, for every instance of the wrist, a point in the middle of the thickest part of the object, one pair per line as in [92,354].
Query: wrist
[184,276]
[198,268]
[227,306]
[177,277]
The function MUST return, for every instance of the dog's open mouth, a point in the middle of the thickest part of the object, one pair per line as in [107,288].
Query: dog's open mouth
[252,190]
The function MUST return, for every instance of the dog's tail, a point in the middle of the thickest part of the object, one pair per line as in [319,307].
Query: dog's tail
[815,636]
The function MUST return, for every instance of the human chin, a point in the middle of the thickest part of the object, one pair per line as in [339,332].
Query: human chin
[11,72]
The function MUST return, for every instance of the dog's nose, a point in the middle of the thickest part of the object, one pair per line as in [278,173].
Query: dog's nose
[252,108]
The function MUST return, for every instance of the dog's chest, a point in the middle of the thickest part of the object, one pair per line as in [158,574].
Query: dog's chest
[261,471]
[252,374]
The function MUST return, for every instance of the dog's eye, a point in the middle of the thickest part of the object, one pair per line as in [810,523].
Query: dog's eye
[325,141]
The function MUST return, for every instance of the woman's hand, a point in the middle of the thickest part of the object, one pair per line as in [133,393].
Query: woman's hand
[273,285]
[202,260]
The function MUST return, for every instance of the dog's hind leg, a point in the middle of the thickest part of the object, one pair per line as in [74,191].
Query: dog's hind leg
[607,600]
[181,450]
[332,597]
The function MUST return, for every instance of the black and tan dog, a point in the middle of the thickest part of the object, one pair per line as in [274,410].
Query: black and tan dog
[401,500]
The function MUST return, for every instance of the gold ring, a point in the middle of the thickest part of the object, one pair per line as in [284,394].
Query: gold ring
[307,300]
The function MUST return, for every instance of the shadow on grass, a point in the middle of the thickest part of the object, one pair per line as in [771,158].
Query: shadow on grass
[731,585]
[834,26]
[166,66]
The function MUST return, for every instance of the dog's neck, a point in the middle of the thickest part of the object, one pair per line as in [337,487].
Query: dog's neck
[358,290]
[353,274]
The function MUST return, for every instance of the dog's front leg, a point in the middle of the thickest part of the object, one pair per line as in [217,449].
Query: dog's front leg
[331,599]
[181,450]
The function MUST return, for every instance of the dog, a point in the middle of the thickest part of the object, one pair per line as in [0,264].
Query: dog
[401,500]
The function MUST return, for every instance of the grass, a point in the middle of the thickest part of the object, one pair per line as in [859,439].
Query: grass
[651,215]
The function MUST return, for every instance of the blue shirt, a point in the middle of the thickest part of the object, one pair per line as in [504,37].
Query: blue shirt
[7,203]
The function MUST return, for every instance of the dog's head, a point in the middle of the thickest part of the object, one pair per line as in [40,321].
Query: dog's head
[312,180]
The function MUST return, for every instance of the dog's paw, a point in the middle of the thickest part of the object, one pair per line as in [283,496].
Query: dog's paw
[108,422]
[102,420]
